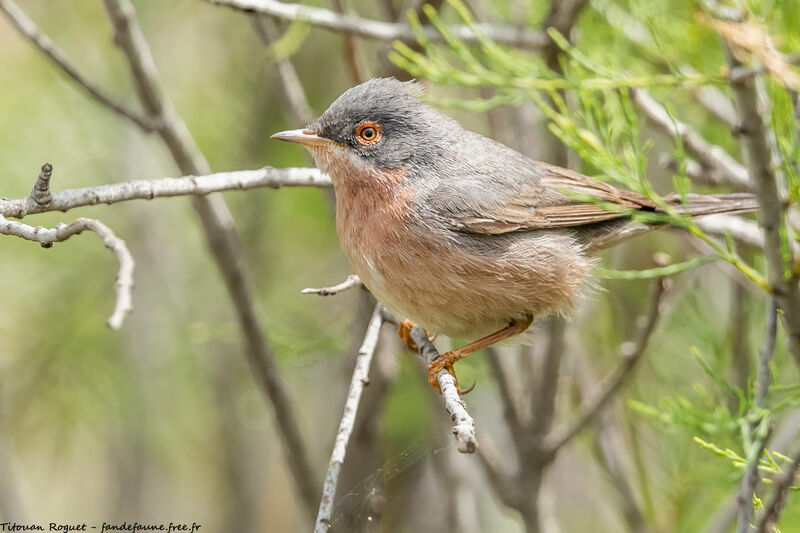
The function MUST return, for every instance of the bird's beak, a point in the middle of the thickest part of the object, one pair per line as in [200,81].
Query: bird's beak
[306,137]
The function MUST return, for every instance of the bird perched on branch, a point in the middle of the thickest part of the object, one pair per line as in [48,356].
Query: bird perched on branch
[459,233]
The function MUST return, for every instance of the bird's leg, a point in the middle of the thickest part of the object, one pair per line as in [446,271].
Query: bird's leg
[404,332]
[445,361]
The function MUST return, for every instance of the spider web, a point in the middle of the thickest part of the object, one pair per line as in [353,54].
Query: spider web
[359,509]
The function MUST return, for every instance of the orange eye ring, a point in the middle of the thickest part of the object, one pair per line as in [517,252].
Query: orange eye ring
[369,132]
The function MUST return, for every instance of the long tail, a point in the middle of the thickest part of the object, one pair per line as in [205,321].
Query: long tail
[698,205]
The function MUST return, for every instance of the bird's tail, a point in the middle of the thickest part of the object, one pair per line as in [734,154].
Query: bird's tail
[698,205]
[695,205]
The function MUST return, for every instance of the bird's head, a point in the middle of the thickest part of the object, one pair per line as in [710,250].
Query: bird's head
[380,125]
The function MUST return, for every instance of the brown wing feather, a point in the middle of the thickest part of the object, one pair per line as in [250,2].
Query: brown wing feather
[531,210]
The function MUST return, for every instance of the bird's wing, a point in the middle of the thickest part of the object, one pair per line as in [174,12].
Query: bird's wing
[551,200]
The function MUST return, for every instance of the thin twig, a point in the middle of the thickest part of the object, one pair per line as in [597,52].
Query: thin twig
[47,236]
[740,229]
[267,31]
[741,73]
[631,354]
[167,187]
[352,57]
[41,189]
[27,28]
[710,155]
[765,176]
[351,281]
[464,429]
[543,400]
[763,378]
[782,486]
[221,237]
[359,380]
[384,31]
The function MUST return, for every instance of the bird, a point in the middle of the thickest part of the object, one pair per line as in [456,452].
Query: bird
[458,233]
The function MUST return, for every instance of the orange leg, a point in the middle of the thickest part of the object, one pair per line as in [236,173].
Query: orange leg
[445,361]
[404,332]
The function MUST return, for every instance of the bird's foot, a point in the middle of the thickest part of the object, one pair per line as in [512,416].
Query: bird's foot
[443,362]
[404,332]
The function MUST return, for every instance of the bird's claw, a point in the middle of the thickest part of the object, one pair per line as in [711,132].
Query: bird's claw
[436,366]
[404,332]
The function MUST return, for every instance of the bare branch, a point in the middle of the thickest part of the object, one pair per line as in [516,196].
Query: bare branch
[631,354]
[751,477]
[782,486]
[384,31]
[351,281]
[47,236]
[351,49]
[764,175]
[292,88]
[359,380]
[166,187]
[27,28]
[464,430]
[504,483]
[221,237]
[742,230]
[543,400]
[41,189]
[710,155]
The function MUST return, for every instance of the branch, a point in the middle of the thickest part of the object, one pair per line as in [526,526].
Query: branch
[464,430]
[764,175]
[384,31]
[782,486]
[351,281]
[41,189]
[292,88]
[631,354]
[166,187]
[28,29]
[712,156]
[221,237]
[742,230]
[751,477]
[359,380]
[47,236]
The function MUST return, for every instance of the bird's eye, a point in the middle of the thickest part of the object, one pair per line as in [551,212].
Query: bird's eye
[368,132]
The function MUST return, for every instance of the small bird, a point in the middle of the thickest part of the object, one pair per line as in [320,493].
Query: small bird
[456,232]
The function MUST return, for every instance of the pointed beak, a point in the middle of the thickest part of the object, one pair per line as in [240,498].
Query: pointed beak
[306,137]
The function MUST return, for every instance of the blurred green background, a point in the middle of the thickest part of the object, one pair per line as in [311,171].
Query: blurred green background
[162,421]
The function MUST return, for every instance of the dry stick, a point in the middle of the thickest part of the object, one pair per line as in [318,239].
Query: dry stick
[742,230]
[351,49]
[631,354]
[166,187]
[384,31]
[41,189]
[359,380]
[47,236]
[782,486]
[464,429]
[221,236]
[712,156]
[763,377]
[772,214]
[27,28]
[351,281]
[290,81]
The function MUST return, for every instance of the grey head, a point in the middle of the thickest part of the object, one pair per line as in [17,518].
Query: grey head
[384,121]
